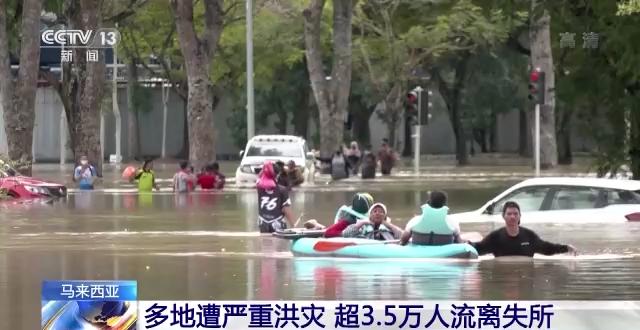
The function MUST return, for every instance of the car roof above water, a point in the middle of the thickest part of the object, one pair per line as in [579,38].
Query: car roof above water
[277,138]
[582,182]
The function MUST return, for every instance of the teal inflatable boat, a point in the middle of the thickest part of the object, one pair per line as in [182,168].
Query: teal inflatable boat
[366,248]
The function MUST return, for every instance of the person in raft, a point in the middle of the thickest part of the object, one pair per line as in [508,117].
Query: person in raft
[346,215]
[514,240]
[377,227]
[432,227]
[274,205]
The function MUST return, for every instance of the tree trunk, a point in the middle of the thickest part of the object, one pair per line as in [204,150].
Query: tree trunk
[392,126]
[89,85]
[523,134]
[408,140]
[564,135]
[301,117]
[635,142]
[19,104]
[198,53]
[184,152]
[493,134]
[541,57]
[361,129]
[132,127]
[452,98]
[282,122]
[331,95]
[480,136]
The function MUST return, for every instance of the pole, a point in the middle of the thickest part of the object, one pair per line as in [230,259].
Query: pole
[165,98]
[102,138]
[250,101]
[416,152]
[63,135]
[116,107]
[537,140]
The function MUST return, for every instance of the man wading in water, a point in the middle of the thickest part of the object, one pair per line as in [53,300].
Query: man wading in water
[513,240]
[274,204]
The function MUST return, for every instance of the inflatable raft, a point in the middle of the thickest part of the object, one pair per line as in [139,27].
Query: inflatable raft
[366,248]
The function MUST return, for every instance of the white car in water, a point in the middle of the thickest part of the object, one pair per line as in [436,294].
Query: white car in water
[283,148]
[565,200]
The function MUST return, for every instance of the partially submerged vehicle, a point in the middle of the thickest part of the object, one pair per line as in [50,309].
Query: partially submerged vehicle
[15,185]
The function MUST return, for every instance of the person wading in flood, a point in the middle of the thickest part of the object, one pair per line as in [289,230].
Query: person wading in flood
[146,178]
[274,205]
[514,240]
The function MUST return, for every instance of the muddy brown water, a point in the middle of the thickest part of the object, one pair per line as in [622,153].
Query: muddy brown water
[205,246]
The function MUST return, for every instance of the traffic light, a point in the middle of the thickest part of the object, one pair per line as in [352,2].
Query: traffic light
[422,98]
[412,107]
[537,86]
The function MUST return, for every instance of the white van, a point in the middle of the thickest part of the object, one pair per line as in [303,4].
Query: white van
[275,148]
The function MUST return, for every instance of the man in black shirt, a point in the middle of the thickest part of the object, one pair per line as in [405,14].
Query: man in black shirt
[513,240]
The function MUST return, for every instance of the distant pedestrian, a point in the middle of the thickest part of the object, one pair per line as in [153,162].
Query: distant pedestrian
[184,180]
[354,156]
[369,165]
[220,178]
[85,174]
[387,158]
[146,177]
[207,178]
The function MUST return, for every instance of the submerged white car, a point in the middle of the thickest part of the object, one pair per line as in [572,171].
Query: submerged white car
[564,200]
[275,148]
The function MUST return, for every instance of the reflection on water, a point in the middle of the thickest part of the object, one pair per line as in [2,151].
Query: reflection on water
[380,279]
[206,246]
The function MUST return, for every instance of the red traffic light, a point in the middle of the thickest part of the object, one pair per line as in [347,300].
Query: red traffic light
[535,75]
[412,97]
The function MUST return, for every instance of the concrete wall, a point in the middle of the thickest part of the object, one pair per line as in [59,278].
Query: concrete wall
[437,136]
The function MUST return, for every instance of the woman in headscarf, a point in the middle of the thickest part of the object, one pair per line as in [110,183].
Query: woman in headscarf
[346,215]
[274,204]
[378,226]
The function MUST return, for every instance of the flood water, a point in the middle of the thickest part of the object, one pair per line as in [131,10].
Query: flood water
[206,246]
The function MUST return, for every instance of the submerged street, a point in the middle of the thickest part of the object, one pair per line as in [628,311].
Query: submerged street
[206,246]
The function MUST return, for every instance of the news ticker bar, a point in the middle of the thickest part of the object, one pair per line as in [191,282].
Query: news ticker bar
[557,315]
[96,304]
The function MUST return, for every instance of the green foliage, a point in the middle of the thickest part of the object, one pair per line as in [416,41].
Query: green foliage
[597,83]
[628,7]
[396,38]
[280,74]
[497,84]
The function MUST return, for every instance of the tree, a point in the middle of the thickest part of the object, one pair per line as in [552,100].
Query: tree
[198,52]
[149,41]
[471,29]
[542,57]
[18,102]
[628,7]
[600,82]
[281,82]
[331,93]
[83,85]
[496,86]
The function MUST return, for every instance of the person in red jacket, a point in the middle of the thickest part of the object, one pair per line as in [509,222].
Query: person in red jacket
[349,215]
[207,178]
